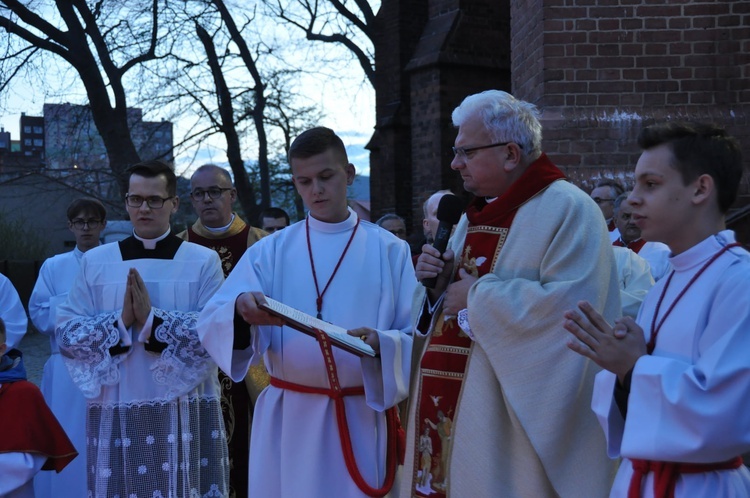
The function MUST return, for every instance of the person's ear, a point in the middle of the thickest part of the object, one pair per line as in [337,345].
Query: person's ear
[351,172]
[512,156]
[175,205]
[3,348]
[704,187]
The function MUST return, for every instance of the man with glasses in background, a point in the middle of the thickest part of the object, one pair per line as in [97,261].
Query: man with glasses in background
[394,224]
[86,220]
[517,412]
[221,229]
[127,335]
[604,194]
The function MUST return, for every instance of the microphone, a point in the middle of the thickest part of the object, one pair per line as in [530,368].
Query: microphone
[449,212]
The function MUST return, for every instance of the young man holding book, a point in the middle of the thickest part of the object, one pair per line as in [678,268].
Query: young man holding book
[345,271]
[673,398]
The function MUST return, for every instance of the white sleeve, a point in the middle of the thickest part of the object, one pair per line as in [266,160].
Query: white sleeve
[17,469]
[12,313]
[386,379]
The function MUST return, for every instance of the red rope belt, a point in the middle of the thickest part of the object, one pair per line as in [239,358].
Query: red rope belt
[666,474]
[337,394]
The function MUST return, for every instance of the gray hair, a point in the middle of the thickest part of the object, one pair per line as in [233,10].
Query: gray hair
[619,200]
[389,216]
[506,118]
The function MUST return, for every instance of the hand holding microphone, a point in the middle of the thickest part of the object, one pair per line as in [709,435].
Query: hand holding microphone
[449,212]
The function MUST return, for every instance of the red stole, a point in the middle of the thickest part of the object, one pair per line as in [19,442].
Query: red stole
[444,363]
[634,246]
[611,225]
[230,249]
[29,426]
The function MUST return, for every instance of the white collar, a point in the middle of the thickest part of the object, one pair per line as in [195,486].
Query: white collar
[151,243]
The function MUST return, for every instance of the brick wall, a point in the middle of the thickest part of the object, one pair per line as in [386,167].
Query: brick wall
[598,69]
[460,48]
[527,49]
[398,28]
[612,66]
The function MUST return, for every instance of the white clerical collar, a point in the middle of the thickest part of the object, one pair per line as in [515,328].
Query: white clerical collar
[489,200]
[77,253]
[702,251]
[322,226]
[151,243]
[220,229]
[627,244]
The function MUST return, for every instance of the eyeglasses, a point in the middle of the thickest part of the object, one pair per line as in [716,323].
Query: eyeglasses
[154,202]
[465,151]
[79,224]
[213,192]
[599,200]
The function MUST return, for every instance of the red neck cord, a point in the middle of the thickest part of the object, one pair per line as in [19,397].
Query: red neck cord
[319,300]
[656,328]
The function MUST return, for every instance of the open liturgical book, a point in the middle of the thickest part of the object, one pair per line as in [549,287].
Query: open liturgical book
[303,322]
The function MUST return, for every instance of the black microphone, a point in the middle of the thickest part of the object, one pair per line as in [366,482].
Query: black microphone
[449,212]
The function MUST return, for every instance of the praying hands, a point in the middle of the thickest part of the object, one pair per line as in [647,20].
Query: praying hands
[613,348]
[136,306]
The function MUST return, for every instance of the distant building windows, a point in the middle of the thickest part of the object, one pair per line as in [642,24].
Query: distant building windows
[27,141]
[27,129]
[38,142]
[38,130]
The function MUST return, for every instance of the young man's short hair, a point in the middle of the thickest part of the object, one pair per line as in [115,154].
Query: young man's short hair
[154,168]
[86,205]
[700,149]
[317,141]
[275,213]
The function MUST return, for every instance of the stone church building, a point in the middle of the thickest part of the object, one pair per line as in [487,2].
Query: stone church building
[598,70]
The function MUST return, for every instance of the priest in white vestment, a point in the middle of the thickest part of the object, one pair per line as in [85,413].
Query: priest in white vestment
[490,362]
[86,220]
[351,273]
[634,276]
[127,332]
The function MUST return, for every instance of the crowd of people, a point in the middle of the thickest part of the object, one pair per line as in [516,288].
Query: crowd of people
[567,344]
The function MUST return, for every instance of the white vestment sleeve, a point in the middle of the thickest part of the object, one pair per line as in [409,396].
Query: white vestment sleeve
[16,471]
[386,378]
[12,313]
[216,323]
[604,406]
[184,363]
[42,303]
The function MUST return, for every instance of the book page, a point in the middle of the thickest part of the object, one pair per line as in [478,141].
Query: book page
[339,335]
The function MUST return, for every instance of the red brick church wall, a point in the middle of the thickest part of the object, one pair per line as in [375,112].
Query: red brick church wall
[598,69]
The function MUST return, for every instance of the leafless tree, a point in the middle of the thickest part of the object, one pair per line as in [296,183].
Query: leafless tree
[349,23]
[102,42]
